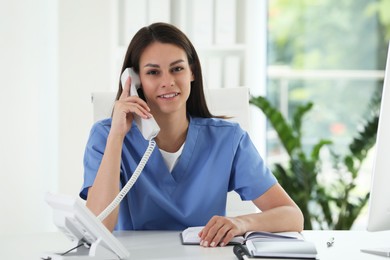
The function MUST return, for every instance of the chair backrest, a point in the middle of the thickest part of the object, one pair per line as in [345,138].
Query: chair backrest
[103,103]
[232,102]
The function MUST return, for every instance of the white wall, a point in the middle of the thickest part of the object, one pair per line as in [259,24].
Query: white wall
[84,66]
[28,135]
[53,53]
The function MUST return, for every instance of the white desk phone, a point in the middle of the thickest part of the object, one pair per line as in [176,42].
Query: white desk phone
[148,127]
[92,239]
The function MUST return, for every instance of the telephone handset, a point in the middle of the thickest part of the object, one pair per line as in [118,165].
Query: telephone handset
[148,127]
[149,130]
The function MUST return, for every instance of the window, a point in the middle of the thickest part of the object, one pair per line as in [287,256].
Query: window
[332,53]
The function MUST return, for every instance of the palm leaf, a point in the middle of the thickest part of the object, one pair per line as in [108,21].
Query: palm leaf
[278,122]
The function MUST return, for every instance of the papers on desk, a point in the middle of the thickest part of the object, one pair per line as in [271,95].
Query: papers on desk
[282,249]
[190,236]
[263,244]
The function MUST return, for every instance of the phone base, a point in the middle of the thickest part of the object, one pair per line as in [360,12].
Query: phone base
[95,252]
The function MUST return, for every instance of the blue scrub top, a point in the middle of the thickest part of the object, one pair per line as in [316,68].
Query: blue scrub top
[218,157]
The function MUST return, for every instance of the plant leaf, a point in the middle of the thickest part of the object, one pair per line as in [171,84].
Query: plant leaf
[278,122]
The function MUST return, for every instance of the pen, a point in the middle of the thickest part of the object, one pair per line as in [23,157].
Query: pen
[330,242]
[241,252]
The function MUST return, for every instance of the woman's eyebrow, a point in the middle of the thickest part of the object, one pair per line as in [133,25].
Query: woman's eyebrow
[152,65]
[176,62]
[158,66]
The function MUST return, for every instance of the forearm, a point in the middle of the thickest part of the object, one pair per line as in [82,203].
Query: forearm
[279,214]
[278,219]
[106,185]
[220,230]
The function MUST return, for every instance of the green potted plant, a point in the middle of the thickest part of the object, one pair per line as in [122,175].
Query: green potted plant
[330,206]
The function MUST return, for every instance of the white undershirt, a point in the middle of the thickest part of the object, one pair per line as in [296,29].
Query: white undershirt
[171,159]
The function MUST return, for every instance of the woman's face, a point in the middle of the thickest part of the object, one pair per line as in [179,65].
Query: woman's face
[166,78]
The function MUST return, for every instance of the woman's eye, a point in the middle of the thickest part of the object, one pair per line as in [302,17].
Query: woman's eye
[152,72]
[177,69]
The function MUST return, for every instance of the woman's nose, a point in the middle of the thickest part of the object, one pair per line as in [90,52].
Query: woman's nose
[167,80]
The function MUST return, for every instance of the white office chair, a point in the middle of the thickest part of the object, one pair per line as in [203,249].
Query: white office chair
[232,102]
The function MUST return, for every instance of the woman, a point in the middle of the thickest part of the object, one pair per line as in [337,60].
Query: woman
[200,157]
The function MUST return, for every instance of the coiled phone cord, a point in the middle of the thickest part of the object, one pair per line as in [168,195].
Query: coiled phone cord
[107,211]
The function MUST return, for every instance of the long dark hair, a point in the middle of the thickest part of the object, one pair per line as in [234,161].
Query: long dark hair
[167,33]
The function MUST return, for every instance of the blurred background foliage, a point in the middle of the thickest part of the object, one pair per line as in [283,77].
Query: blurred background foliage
[341,36]
[329,34]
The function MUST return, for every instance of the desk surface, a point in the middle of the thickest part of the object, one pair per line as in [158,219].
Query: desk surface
[167,245]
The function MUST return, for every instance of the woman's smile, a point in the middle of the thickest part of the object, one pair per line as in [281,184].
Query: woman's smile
[170,95]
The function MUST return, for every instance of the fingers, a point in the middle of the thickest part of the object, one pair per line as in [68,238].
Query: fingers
[140,107]
[218,231]
[126,89]
[125,108]
[133,104]
[123,114]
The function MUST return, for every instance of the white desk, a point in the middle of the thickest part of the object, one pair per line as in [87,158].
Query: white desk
[167,245]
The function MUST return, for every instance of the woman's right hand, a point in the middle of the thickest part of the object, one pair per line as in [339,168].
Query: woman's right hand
[124,108]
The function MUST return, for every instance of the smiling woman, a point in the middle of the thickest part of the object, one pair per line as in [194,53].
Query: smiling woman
[166,79]
[211,156]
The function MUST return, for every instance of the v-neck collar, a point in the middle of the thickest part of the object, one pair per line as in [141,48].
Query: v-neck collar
[179,171]
[170,180]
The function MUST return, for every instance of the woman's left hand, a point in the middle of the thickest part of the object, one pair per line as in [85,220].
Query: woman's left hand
[220,230]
